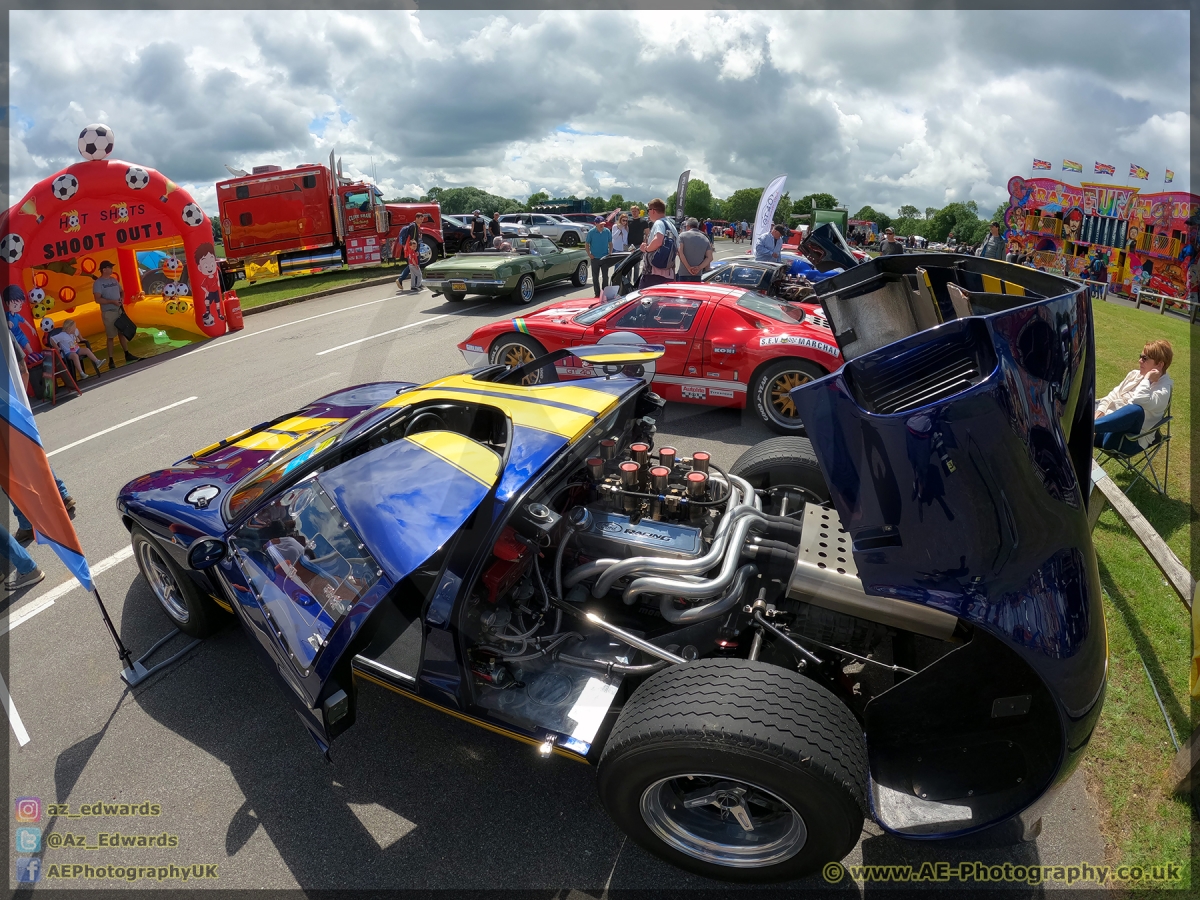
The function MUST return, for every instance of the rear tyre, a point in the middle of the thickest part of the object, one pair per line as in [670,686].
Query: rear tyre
[579,279]
[570,239]
[525,290]
[770,393]
[736,770]
[516,350]
[787,469]
[186,606]
[454,296]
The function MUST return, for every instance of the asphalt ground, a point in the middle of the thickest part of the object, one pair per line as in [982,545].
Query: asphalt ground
[413,798]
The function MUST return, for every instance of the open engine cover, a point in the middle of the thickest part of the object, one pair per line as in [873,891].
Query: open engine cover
[957,443]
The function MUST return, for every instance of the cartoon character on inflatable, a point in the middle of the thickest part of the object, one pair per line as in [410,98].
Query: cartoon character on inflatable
[98,210]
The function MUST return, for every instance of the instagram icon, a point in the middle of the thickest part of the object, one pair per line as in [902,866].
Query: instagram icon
[29,809]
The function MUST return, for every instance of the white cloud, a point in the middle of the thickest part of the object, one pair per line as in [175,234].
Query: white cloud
[882,107]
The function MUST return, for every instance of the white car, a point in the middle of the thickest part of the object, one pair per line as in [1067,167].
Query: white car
[561,231]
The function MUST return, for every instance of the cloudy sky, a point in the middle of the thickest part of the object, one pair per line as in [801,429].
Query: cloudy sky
[878,107]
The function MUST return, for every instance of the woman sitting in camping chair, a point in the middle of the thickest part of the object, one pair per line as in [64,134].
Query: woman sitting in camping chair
[1136,405]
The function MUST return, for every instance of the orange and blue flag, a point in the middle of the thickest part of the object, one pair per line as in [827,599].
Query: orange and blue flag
[1136,171]
[26,477]
[1042,164]
[1105,169]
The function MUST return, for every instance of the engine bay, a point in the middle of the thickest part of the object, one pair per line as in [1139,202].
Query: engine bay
[642,558]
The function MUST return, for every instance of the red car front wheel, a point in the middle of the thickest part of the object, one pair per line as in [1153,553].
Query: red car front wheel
[770,393]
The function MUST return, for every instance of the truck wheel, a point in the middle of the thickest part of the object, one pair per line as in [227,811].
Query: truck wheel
[428,250]
[516,350]
[770,390]
[188,608]
[787,469]
[525,289]
[570,239]
[579,279]
[736,770]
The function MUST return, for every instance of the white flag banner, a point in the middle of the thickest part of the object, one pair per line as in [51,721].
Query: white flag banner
[766,209]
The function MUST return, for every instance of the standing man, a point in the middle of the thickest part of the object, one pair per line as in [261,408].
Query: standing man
[663,236]
[599,243]
[637,227]
[695,252]
[478,231]
[770,245]
[494,227]
[993,245]
[890,245]
[109,294]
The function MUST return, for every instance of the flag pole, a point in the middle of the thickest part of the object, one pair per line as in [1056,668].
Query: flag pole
[122,651]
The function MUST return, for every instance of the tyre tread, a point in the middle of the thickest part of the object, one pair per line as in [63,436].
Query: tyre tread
[752,706]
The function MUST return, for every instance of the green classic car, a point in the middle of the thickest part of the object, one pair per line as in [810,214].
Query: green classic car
[519,272]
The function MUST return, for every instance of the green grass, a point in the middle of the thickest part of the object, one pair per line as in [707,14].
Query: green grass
[293,286]
[1130,752]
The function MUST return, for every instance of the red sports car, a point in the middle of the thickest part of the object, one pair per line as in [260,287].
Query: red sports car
[725,346]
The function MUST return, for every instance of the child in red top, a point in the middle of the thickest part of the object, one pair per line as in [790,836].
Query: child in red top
[412,252]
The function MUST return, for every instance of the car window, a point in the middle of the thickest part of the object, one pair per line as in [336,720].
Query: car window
[542,246]
[721,275]
[358,200]
[543,220]
[594,315]
[745,276]
[305,565]
[772,308]
[669,313]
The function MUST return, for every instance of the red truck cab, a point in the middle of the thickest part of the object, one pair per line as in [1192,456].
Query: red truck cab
[279,221]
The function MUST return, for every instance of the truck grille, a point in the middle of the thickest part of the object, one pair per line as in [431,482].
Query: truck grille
[926,374]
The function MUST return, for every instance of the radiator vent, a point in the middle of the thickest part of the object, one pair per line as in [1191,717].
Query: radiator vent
[925,374]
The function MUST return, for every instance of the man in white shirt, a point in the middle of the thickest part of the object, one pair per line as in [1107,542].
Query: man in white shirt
[662,230]
[1138,403]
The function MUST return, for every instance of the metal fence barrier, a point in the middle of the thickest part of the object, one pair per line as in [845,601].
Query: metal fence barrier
[1139,299]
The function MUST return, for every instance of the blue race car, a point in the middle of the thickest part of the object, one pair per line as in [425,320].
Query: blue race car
[898,616]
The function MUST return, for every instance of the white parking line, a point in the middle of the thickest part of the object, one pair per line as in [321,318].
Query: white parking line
[242,337]
[44,602]
[152,412]
[385,333]
[14,717]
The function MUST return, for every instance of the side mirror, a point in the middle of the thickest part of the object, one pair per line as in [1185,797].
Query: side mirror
[206,553]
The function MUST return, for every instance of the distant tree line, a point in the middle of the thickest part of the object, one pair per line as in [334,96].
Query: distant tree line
[935,224]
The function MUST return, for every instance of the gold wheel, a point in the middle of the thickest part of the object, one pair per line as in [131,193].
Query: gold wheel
[513,355]
[780,392]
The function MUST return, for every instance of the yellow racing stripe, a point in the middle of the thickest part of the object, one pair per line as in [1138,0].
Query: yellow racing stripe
[283,434]
[466,455]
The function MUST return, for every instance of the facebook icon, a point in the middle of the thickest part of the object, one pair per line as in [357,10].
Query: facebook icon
[29,869]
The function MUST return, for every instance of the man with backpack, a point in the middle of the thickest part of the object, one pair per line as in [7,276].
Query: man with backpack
[659,249]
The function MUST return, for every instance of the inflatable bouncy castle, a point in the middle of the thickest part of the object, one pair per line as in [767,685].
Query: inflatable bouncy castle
[157,238]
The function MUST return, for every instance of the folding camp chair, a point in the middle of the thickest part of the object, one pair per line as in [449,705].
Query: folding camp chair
[1140,463]
[61,370]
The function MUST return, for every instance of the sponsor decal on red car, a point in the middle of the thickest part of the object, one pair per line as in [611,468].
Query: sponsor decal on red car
[798,341]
